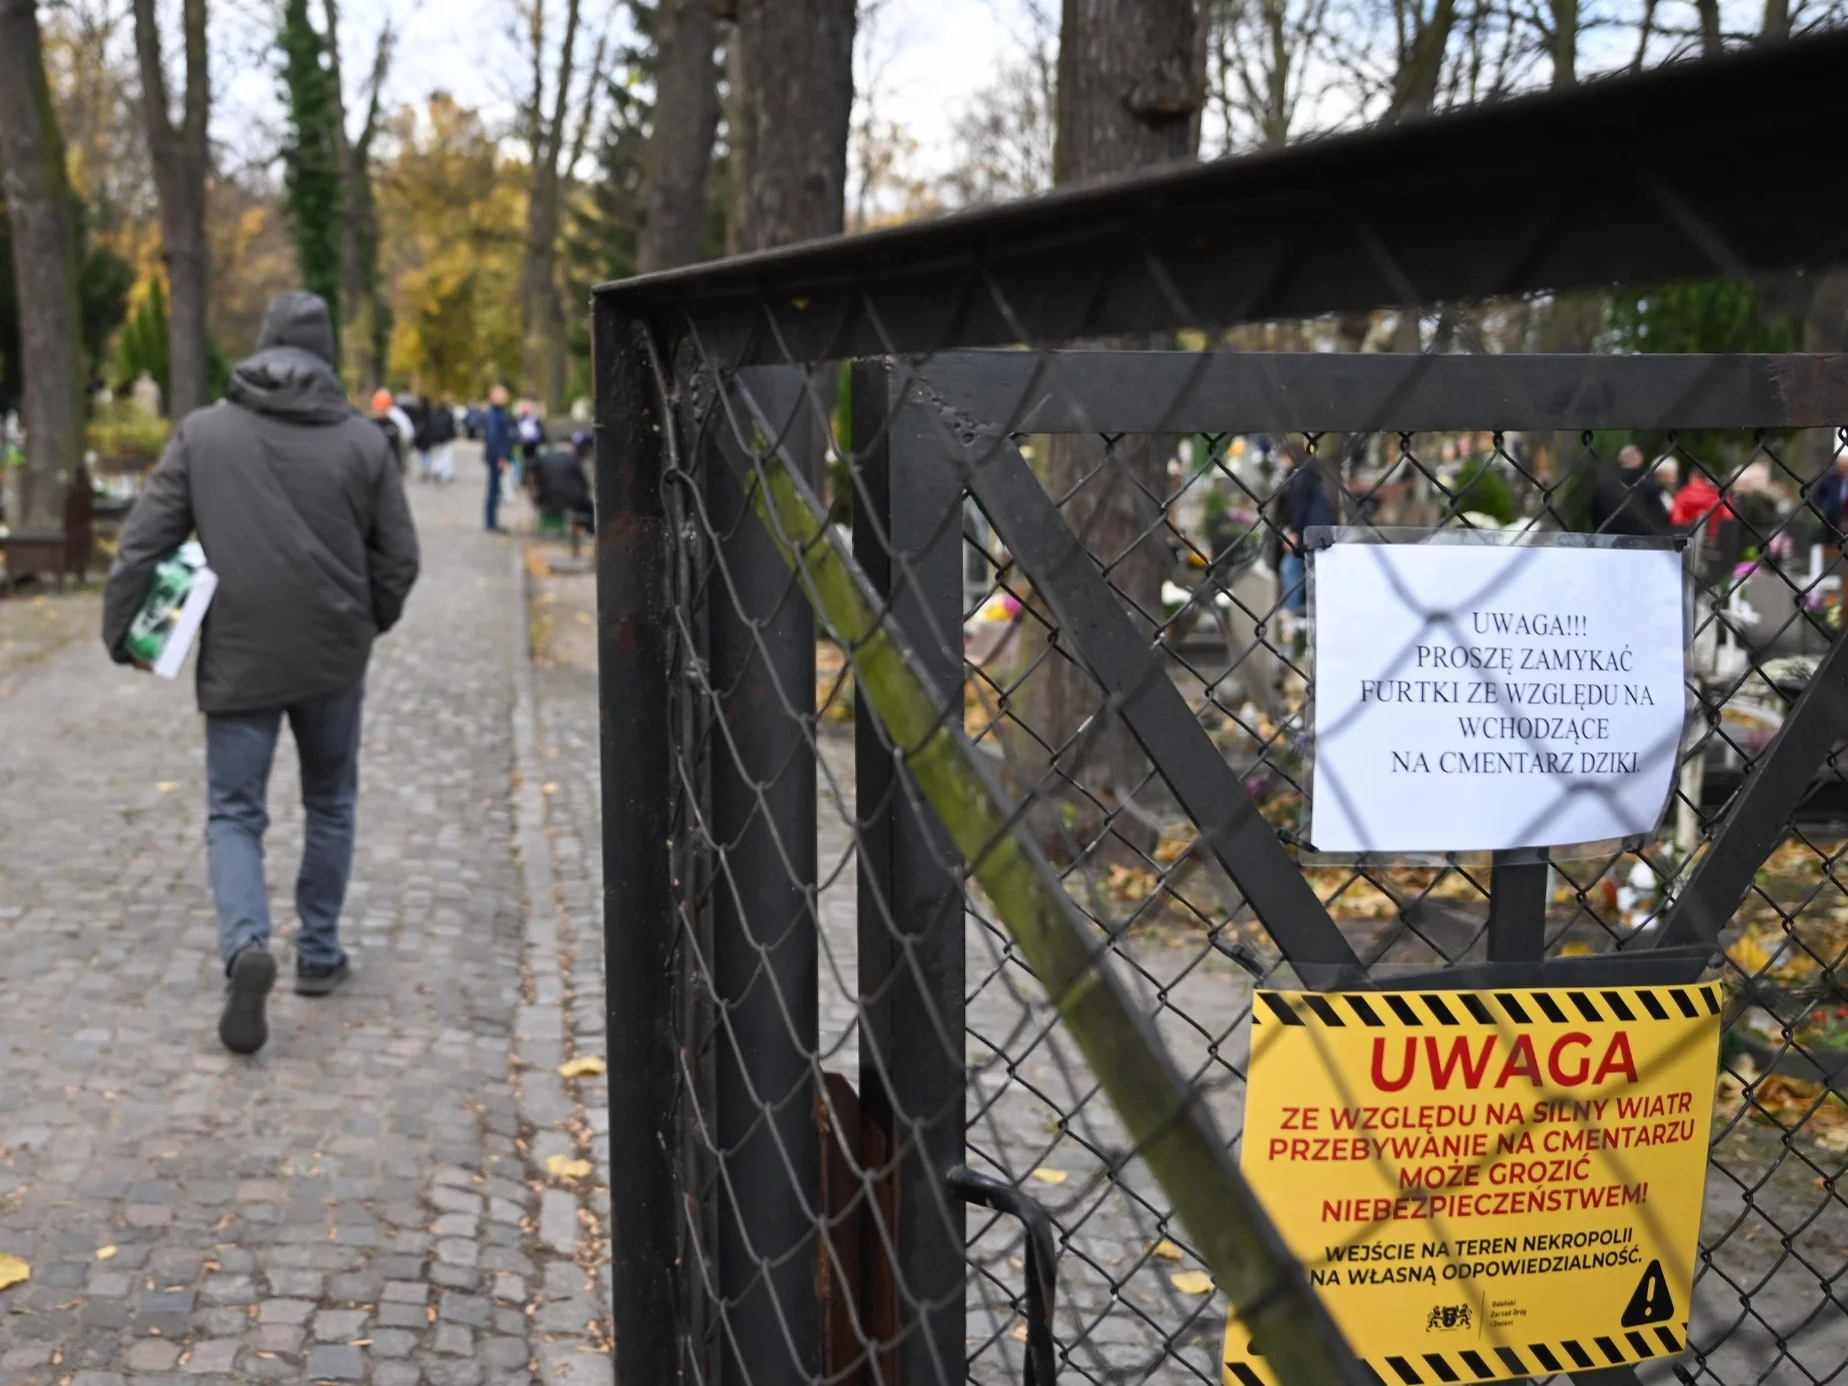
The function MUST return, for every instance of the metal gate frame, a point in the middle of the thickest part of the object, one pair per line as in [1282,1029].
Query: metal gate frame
[1654,178]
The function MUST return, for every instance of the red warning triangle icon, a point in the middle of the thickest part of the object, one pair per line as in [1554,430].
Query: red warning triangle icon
[1651,1302]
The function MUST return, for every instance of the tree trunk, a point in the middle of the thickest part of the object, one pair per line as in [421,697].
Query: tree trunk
[39,207]
[352,274]
[1711,39]
[686,120]
[1414,87]
[797,118]
[1565,42]
[542,307]
[362,348]
[179,155]
[1131,85]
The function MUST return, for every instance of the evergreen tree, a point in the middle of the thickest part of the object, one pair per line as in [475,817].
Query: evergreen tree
[311,161]
[144,343]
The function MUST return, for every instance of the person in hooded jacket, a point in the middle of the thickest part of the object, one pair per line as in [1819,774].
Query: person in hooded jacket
[300,509]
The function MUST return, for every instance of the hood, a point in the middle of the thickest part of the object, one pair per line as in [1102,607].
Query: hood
[298,319]
[289,383]
[292,376]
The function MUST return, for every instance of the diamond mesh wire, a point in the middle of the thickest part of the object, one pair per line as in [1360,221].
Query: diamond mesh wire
[850,1004]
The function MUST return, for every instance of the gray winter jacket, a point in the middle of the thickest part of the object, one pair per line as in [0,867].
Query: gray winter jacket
[299,507]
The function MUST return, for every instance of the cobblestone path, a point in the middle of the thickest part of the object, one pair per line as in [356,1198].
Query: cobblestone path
[369,1198]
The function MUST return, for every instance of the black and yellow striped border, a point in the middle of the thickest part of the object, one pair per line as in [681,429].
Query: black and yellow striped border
[1620,1349]
[1418,1009]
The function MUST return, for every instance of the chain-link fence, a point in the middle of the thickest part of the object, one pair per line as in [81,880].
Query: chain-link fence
[956,732]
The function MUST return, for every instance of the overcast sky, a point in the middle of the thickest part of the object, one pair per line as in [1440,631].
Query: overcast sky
[926,57]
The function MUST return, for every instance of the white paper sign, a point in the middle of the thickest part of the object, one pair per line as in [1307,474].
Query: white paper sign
[1479,698]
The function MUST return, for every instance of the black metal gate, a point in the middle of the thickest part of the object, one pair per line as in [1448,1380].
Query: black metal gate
[852,1135]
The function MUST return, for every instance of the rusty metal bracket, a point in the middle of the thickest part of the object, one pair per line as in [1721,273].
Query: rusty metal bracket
[1042,1279]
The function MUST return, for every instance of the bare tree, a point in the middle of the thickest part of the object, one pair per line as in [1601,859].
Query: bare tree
[1261,54]
[362,312]
[686,121]
[796,109]
[542,303]
[1004,137]
[38,206]
[181,159]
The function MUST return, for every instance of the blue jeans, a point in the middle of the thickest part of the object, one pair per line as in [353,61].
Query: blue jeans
[239,749]
[1295,589]
[494,480]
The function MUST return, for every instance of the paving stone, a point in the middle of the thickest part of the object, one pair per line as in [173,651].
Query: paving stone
[226,1322]
[289,1311]
[403,1316]
[558,1221]
[278,1337]
[466,1309]
[152,1355]
[441,1371]
[214,1356]
[331,1362]
[392,1342]
[455,1277]
[229,1289]
[405,1291]
[395,1374]
[505,1352]
[458,1251]
[338,1325]
[454,1339]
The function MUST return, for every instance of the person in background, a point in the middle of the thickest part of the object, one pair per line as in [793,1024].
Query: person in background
[440,441]
[298,504]
[421,411]
[1628,499]
[1829,496]
[532,439]
[1306,504]
[1697,504]
[497,442]
[560,483]
[396,425]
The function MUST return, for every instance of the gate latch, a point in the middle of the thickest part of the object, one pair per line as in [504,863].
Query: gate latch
[1042,1281]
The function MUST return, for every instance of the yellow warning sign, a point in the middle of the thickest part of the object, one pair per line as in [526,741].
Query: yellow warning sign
[1485,1185]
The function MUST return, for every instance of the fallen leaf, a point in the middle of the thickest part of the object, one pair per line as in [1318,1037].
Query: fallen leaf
[1192,1282]
[1050,1176]
[13,1271]
[548,789]
[1574,949]
[1165,1250]
[584,1066]
[1018,1333]
[166,787]
[564,1167]
[103,1253]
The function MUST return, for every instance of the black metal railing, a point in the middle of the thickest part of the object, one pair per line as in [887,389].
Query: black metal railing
[926,663]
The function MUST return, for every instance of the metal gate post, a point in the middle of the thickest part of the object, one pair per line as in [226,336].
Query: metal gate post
[634,703]
[761,637]
[912,1069]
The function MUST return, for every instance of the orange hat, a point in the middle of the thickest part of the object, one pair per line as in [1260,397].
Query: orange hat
[381,402]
